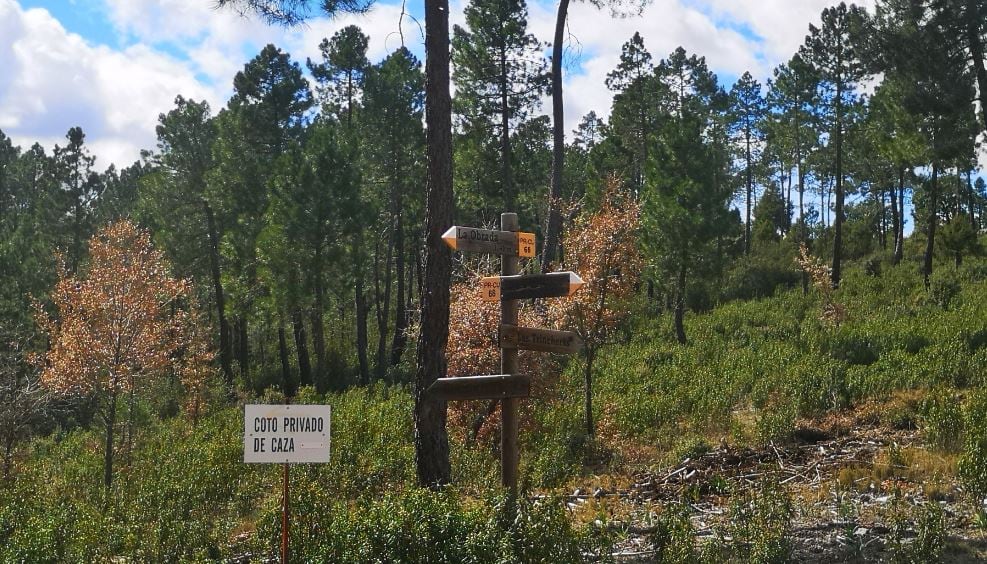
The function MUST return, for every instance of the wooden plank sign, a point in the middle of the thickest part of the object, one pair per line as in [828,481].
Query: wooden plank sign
[473,240]
[527,286]
[544,340]
[498,386]
[285,433]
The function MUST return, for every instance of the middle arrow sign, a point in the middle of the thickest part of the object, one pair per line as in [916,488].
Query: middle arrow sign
[527,286]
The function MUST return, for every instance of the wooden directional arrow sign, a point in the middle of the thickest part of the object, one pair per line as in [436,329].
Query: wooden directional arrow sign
[525,286]
[544,340]
[498,386]
[472,240]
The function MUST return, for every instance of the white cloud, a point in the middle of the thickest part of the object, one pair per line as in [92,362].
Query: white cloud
[56,80]
[664,25]
[53,79]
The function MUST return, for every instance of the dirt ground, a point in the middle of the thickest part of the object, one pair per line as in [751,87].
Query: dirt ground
[856,486]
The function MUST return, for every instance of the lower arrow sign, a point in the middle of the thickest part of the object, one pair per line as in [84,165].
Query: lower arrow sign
[544,340]
[497,386]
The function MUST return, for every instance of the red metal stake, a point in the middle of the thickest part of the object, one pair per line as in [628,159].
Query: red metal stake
[284,517]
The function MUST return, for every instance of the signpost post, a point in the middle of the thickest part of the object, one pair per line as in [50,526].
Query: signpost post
[289,434]
[508,288]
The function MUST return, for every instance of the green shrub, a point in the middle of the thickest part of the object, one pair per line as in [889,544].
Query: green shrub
[930,534]
[673,538]
[944,286]
[425,526]
[761,524]
[973,461]
[942,419]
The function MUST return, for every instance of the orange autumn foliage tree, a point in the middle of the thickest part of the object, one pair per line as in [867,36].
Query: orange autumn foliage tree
[116,325]
[600,246]
[472,350]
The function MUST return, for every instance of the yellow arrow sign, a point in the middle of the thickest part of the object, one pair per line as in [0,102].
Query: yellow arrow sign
[473,240]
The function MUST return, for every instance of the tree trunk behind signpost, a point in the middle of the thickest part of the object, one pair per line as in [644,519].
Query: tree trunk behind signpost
[431,439]
[558,143]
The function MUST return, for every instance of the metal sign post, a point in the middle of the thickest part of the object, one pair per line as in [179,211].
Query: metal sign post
[286,434]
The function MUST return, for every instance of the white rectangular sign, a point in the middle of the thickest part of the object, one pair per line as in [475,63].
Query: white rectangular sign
[286,433]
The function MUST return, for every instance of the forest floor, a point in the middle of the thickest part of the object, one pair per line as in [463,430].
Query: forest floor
[856,486]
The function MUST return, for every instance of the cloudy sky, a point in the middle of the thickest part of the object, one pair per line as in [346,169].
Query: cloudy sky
[111,66]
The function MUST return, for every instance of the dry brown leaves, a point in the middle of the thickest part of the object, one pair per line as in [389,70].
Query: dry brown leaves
[120,321]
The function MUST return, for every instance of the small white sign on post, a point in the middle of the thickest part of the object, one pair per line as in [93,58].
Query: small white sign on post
[285,433]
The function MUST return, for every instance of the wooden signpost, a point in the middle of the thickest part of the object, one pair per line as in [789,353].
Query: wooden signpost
[508,288]
[286,434]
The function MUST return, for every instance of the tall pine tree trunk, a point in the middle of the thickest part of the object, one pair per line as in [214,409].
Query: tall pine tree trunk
[895,219]
[975,22]
[837,271]
[225,354]
[318,331]
[431,439]
[510,197]
[400,309]
[243,348]
[933,220]
[286,384]
[301,347]
[750,195]
[110,419]
[680,303]
[382,303]
[361,331]
[901,216]
[552,233]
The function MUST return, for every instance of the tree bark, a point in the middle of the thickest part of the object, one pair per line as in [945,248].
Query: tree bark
[933,220]
[837,272]
[750,191]
[301,347]
[895,219]
[361,331]
[225,354]
[510,198]
[550,248]
[382,301]
[431,438]
[318,331]
[286,384]
[680,304]
[110,420]
[975,21]
[588,392]
[901,216]
[400,310]
[243,348]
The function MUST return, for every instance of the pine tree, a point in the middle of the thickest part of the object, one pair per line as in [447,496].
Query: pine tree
[833,50]
[747,110]
[500,74]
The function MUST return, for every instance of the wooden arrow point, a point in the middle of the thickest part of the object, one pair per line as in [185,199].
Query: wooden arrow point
[450,237]
[575,282]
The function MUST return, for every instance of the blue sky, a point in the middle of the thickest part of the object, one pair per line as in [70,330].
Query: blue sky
[111,66]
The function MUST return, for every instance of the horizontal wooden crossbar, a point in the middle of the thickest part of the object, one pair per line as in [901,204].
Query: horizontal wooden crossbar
[497,386]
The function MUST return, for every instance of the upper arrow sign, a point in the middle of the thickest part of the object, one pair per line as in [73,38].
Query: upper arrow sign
[473,240]
[526,286]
